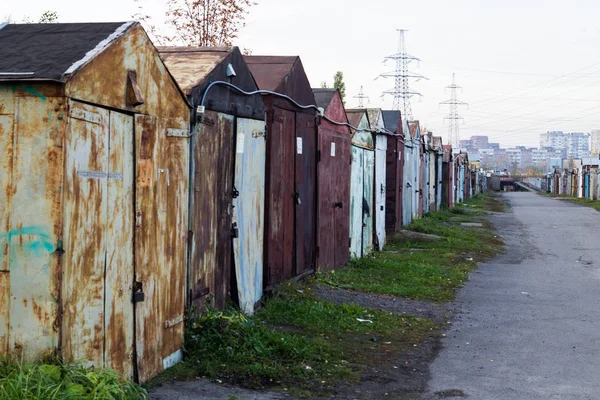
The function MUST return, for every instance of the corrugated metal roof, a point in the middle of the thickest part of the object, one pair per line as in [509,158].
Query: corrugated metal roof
[48,51]
[269,71]
[190,65]
[323,96]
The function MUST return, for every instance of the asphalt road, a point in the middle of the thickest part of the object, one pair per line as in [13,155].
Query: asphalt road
[528,324]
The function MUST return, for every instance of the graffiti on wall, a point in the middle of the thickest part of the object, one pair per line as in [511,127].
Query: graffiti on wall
[31,240]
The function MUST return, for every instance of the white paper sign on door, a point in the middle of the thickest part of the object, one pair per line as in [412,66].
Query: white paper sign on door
[299,145]
[332,149]
[240,143]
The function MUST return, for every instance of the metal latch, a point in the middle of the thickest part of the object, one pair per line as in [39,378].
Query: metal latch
[138,292]
[297,197]
[235,232]
[338,205]
[236,193]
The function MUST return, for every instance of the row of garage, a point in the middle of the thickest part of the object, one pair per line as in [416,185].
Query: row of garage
[139,183]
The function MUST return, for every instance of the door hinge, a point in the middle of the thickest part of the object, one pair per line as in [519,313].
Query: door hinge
[138,293]
[235,232]
[138,219]
[318,156]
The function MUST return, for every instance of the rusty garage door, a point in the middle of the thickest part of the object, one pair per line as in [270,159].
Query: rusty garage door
[98,238]
[210,219]
[248,211]
[334,198]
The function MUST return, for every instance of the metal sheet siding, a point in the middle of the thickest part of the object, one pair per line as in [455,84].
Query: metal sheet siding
[162,179]
[305,211]
[86,207]
[369,196]
[334,197]
[394,183]
[119,268]
[210,218]
[280,195]
[357,184]
[380,189]
[30,231]
[248,211]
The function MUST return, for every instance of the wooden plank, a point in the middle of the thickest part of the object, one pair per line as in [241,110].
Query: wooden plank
[327,198]
[342,196]
[85,239]
[118,324]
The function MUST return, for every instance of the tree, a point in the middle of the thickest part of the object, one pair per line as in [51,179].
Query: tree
[198,22]
[338,83]
[324,84]
[47,17]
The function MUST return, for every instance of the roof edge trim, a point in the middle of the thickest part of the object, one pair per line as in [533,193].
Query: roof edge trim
[99,48]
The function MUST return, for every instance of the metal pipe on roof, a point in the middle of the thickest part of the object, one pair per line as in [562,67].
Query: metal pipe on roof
[16,73]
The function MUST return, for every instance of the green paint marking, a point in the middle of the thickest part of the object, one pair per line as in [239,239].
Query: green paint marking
[34,92]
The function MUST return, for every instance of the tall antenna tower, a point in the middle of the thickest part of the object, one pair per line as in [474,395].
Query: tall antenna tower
[453,117]
[402,76]
[361,98]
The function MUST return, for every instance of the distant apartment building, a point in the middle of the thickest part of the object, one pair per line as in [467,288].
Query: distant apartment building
[578,145]
[572,145]
[493,146]
[465,144]
[539,156]
[480,142]
[595,142]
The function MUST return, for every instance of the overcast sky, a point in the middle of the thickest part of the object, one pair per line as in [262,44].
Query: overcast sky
[526,66]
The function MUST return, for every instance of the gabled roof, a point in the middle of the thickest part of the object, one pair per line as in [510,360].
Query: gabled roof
[355,116]
[390,119]
[323,96]
[270,71]
[53,51]
[191,65]
[373,114]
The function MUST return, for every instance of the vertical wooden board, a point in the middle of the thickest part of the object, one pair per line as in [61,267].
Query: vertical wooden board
[160,244]
[368,214]
[391,186]
[357,180]
[6,172]
[248,247]
[85,210]
[118,324]
[305,212]
[206,211]
[342,181]
[4,312]
[279,211]
[380,189]
[326,210]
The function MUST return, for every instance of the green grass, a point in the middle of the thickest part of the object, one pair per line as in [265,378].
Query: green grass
[296,341]
[426,269]
[56,380]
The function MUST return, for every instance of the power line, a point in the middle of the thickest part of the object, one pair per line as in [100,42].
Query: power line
[401,75]
[453,117]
